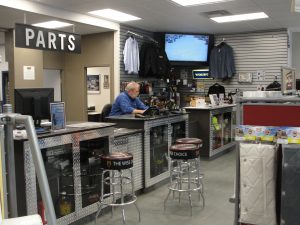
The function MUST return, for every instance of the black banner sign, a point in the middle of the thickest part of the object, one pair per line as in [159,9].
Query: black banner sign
[27,36]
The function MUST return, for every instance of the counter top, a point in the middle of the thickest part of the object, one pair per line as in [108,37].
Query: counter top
[125,131]
[283,99]
[72,127]
[132,117]
[211,107]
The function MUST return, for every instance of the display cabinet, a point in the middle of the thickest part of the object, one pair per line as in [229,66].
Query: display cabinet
[159,133]
[178,131]
[158,150]
[58,162]
[214,125]
[73,169]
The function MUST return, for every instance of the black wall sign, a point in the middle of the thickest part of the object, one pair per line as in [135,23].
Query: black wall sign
[27,36]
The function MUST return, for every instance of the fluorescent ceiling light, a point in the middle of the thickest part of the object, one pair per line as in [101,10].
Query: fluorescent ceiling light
[114,15]
[197,2]
[52,24]
[241,17]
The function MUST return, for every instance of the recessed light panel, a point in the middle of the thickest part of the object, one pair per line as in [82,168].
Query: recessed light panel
[53,24]
[114,15]
[240,17]
[198,2]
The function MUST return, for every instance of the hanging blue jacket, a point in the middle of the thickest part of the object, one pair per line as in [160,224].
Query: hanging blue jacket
[221,63]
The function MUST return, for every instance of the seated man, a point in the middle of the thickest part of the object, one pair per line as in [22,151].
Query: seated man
[128,102]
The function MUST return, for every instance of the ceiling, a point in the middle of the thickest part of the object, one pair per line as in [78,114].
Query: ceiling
[9,16]
[163,15]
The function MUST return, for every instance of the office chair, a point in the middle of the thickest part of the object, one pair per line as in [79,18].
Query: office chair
[105,112]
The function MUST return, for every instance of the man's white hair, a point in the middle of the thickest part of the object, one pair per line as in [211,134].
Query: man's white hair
[132,86]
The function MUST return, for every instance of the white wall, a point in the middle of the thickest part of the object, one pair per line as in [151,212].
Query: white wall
[52,79]
[99,100]
[3,63]
[296,53]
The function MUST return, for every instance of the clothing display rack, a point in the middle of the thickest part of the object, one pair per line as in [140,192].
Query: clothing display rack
[141,36]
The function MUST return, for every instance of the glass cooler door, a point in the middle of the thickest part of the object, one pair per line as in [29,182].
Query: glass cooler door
[59,168]
[227,128]
[217,130]
[158,150]
[178,131]
[91,171]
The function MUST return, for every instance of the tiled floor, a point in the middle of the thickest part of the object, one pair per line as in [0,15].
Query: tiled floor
[219,183]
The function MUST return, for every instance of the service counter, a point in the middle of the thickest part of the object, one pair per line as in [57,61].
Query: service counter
[73,168]
[214,125]
[160,132]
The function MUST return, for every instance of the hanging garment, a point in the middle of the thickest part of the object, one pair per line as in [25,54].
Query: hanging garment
[154,61]
[216,89]
[131,56]
[290,185]
[221,63]
[258,184]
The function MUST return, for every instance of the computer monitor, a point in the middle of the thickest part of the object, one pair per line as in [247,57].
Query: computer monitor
[34,102]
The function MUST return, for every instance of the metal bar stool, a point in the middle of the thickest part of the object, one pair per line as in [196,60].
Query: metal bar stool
[185,172]
[114,165]
[198,142]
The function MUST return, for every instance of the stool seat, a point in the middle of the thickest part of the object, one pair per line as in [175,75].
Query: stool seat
[117,161]
[184,151]
[116,166]
[195,141]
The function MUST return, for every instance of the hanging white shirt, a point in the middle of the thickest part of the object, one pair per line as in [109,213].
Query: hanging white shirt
[131,56]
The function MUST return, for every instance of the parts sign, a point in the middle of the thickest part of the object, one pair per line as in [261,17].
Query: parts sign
[27,36]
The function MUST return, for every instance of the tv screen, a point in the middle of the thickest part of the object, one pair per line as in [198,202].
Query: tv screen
[187,47]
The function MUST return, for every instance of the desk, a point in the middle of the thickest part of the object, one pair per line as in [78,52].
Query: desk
[94,116]
[159,133]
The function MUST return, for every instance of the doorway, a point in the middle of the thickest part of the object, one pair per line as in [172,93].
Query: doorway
[98,91]
[52,79]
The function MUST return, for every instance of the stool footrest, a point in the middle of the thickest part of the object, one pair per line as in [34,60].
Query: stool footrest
[133,199]
[108,180]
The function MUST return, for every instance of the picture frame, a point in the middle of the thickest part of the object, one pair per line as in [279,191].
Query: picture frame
[288,76]
[58,116]
[93,82]
[105,81]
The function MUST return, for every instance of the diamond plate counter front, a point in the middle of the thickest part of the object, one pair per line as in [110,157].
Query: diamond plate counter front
[73,171]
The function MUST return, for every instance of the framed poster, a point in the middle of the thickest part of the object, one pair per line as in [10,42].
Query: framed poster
[58,116]
[288,85]
[106,81]
[93,84]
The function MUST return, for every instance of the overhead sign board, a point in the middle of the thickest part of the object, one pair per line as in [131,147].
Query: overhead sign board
[27,36]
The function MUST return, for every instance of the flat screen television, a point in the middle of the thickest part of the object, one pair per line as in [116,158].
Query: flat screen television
[34,102]
[188,49]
